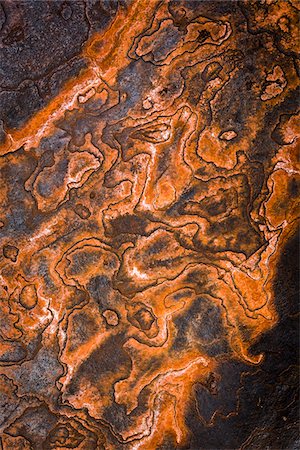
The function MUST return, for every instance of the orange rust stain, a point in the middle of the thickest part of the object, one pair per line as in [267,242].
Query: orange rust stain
[154,204]
[107,53]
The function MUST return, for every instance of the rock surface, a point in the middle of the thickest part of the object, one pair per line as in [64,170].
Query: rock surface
[148,224]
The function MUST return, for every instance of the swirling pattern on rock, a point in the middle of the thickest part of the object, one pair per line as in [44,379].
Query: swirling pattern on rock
[148,220]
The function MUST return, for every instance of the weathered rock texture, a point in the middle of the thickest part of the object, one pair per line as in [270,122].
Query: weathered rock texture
[148,216]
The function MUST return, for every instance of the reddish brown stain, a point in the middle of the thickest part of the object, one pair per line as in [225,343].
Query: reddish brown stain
[145,210]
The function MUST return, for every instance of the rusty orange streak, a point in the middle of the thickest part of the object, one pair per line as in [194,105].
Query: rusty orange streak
[107,54]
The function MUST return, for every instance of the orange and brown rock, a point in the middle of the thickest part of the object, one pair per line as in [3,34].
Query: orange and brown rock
[148,224]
